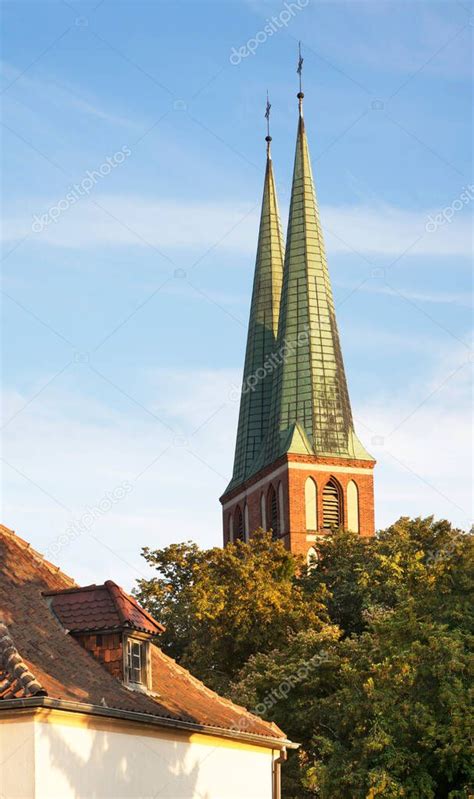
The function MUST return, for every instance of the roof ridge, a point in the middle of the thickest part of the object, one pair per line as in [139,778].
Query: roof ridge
[14,673]
[115,595]
[21,542]
[75,589]
[118,594]
[142,610]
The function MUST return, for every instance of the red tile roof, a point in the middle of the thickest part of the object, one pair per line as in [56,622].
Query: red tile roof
[66,671]
[101,607]
[15,677]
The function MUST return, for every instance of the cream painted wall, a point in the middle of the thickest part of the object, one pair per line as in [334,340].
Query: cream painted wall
[57,760]
[17,769]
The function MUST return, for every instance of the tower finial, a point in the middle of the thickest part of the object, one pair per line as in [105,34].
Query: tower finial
[299,70]
[268,138]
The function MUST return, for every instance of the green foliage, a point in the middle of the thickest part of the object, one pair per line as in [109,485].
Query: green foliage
[365,660]
[221,606]
[418,558]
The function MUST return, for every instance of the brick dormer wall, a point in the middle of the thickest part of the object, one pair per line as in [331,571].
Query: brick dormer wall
[107,648]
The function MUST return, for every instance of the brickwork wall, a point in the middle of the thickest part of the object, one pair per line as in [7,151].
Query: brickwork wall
[364,483]
[293,480]
[107,648]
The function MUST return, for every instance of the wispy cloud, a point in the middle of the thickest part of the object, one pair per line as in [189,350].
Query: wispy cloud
[461,298]
[50,92]
[135,220]
[418,435]
[387,230]
[73,446]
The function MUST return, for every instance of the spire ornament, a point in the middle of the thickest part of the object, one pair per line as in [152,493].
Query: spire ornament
[268,138]
[299,70]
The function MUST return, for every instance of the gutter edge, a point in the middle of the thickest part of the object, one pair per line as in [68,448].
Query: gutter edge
[144,718]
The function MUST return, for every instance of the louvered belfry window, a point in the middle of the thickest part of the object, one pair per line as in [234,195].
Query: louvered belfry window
[332,511]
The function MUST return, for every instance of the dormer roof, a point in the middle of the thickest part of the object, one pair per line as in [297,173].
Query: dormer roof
[96,608]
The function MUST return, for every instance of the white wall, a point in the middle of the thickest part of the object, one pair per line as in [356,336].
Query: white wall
[77,762]
[17,763]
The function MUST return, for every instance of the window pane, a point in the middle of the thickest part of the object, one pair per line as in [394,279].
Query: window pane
[136,661]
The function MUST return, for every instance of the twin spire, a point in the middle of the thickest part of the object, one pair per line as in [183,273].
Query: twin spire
[255,403]
[294,395]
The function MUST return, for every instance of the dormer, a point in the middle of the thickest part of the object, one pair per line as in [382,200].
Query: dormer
[112,627]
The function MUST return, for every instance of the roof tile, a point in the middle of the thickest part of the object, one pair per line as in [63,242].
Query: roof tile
[101,607]
[65,670]
[15,677]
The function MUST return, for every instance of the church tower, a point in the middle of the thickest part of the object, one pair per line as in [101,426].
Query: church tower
[299,468]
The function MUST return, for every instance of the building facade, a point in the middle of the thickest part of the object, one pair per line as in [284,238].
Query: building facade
[90,706]
[299,468]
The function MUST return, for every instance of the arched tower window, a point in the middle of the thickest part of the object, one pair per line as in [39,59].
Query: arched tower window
[231,528]
[246,522]
[238,525]
[332,504]
[311,504]
[352,507]
[272,511]
[263,512]
[281,510]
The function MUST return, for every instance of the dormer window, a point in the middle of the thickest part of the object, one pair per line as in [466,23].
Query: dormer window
[136,661]
[113,627]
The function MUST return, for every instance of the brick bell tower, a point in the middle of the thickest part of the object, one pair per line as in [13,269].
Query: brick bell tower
[299,468]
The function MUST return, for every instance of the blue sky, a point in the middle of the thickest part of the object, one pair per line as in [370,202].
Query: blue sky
[124,321]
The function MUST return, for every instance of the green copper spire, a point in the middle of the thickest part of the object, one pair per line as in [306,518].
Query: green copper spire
[311,412]
[255,401]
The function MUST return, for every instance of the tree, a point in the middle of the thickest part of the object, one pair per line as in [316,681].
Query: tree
[360,577]
[365,659]
[387,712]
[345,578]
[222,605]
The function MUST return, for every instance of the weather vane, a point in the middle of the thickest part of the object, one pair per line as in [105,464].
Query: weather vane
[268,138]
[300,65]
